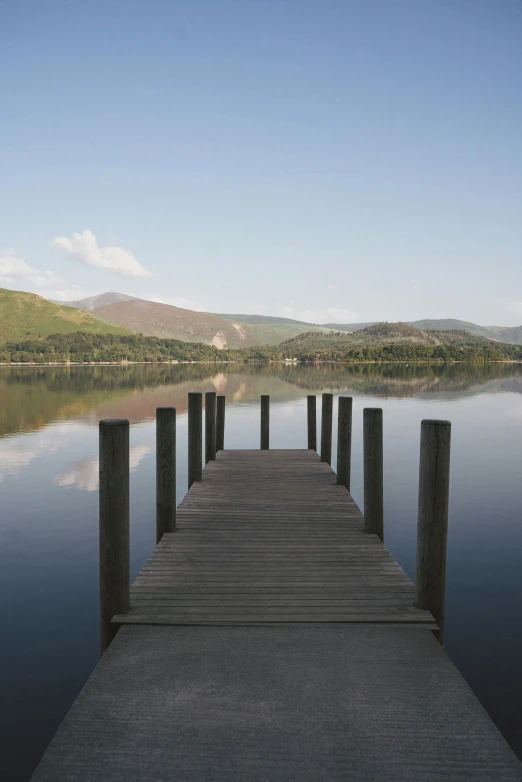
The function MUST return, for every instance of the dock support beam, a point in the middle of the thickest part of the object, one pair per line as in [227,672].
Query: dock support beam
[265,422]
[432,520]
[344,441]
[114,525]
[326,428]
[165,471]
[220,423]
[195,403]
[373,471]
[311,409]
[210,426]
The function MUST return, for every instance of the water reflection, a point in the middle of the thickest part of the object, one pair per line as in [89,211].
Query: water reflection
[49,509]
[31,398]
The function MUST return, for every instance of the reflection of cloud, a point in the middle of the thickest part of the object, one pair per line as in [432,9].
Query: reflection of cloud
[18,453]
[85,474]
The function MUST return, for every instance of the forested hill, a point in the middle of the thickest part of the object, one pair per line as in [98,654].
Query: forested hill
[380,342]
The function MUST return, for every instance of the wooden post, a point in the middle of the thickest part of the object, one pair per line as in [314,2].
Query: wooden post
[210,426]
[326,428]
[220,423]
[265,422]
[432,520]
[114,525]
[311,406]
[344,441]
[165,471]
[373,471]
[195,403]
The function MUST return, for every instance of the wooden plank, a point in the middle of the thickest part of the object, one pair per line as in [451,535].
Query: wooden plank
[268,537]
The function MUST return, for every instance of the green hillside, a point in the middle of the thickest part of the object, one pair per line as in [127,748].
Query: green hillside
[28,316]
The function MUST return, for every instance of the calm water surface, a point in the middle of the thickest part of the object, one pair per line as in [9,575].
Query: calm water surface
[49,512]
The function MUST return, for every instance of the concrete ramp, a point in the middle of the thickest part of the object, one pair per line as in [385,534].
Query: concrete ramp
[303,703]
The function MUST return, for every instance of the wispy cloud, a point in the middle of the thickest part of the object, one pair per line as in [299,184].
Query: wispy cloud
[83,247]
[516,306]
[14,267]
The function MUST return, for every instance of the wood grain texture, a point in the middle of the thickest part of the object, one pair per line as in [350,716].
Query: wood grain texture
[265,422]
[195,445]
[114,535]
[432,520]
[210,426]
[165,471]
[311,416]
[344,441]
[220,423]
[373,471]
[326,428]
[268,538]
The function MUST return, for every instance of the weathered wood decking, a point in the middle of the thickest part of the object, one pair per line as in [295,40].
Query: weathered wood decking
[322,668]
[268,537]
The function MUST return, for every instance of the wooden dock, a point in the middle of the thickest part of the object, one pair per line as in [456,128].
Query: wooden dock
[267,538]
[270,637]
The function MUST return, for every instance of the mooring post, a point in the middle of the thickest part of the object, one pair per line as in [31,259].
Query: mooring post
[210,426]
[373,471]
[432,520]
[265,422]
[165,471]
[344,441]
[114,525]
[220,423]
[195,448]
[326,428]
[311,407]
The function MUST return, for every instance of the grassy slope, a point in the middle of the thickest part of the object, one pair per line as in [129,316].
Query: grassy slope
[502,333]
[26,315]
[163,320]
[384,334]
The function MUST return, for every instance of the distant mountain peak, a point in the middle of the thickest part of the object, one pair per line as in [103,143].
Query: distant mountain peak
[93,302]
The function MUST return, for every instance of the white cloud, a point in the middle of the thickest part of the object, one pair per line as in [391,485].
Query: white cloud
[83,247]
[516,307]
[178,301]
[14,267]
[288,312]
[85,474]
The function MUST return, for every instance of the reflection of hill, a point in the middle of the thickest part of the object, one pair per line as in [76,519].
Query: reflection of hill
[32,397]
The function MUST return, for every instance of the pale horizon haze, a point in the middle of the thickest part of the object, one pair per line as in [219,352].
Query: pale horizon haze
[324,160]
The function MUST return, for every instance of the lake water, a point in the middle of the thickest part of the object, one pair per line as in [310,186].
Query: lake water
[49,510]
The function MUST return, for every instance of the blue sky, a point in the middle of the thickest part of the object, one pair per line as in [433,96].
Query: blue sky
[329,160]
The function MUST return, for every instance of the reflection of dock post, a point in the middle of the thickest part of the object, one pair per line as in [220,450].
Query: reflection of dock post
[373,471]
[195,448]
[114,525]
[326,428]
[165,471]
[220,423]
[265,422]
[432,520]
[210,426]
[311,409]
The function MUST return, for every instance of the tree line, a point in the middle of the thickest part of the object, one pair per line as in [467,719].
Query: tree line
[83,347]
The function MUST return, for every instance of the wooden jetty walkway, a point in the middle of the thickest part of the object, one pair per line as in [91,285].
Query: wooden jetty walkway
[271,635]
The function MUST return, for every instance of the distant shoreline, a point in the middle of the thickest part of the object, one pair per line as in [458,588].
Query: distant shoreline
[237,363]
